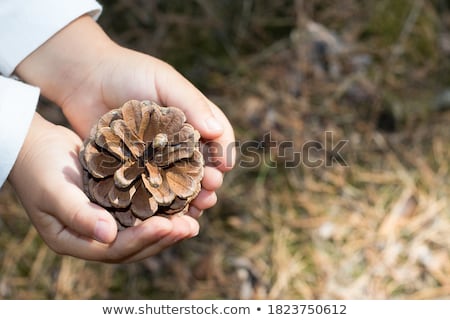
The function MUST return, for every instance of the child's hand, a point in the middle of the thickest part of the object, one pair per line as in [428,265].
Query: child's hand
[47,178]
[87,74]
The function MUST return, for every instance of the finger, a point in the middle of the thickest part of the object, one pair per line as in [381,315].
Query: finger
[194,212]
[188,98]
[184,227]
[128,242]
[220,152]
[70,205]
[204,115]
[72,208]
[227,157]
[212,178]
[205,199]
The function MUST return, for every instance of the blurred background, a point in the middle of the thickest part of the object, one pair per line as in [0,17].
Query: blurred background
[372,221]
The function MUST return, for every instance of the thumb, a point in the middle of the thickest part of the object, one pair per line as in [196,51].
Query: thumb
[75,211]
[198,109]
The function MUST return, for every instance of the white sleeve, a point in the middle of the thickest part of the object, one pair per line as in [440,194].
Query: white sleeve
[17,104]
[24,26]
[27,24]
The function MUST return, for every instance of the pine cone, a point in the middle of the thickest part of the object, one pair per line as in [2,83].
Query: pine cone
[141,160]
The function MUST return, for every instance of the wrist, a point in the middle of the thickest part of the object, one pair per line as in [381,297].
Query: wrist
[37,127]
[66,60]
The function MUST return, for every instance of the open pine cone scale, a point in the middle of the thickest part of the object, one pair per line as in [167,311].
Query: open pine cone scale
[141,160]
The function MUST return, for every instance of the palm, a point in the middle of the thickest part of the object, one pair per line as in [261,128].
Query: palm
[67,218]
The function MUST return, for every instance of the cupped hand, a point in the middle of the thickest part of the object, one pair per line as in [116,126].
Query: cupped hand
[47,178]
[87,74]
[125,75]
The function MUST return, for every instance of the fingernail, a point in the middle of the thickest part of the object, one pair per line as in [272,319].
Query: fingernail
[195,212]
[213,124]
[195,233]
[101,231]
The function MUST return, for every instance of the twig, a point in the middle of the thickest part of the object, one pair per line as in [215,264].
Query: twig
[408,26]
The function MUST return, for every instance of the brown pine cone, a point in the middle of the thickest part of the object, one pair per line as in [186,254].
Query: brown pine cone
[141,160]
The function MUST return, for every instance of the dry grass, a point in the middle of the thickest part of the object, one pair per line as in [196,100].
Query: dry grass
[377,228]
